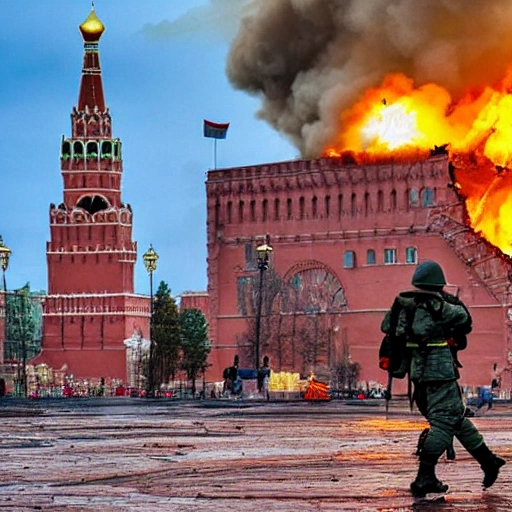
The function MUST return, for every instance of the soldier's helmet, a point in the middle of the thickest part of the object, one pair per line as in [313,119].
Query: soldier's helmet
[429,276]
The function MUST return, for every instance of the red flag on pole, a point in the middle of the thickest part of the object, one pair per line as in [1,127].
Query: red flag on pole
[215,130]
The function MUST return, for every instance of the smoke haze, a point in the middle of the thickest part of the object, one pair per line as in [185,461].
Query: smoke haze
[309,60]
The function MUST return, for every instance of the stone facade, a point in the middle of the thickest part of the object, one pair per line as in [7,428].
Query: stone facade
[91,307]
[346,238]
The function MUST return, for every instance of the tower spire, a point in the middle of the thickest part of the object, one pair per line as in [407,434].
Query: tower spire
[91,86]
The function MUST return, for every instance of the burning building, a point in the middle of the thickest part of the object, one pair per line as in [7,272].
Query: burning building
[403,118]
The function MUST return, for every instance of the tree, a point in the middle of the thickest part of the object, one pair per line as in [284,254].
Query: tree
[165,334]
[346,372]
[195,345]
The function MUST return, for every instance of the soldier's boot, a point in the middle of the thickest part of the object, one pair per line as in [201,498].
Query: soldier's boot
[426,481]
[489,462]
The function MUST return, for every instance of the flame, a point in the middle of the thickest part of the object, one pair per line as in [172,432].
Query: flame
[402,121]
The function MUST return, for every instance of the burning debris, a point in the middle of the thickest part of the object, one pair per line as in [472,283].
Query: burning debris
[367,81]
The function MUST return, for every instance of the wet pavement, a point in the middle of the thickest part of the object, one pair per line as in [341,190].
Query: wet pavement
[123,454]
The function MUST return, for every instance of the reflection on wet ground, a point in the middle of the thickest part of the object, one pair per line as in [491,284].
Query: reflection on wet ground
[136,454]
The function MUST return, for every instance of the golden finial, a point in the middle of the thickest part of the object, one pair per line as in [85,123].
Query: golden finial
[92,28]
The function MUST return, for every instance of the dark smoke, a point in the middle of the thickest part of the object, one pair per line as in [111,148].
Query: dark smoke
[309,60]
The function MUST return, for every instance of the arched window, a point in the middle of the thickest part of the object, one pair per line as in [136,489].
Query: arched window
[314,207]
[229,212]
[78,149]
[380,201]
[277,213]
[302,208]
[370,257]
[264,210]
[289,210]
[93,204]
[349,259]
[366,203]
[313,290]
[413,198]
[393,200]
[427,197]
[327,206]
[241,212]
[253,210]
[353,204]
[217,213]
[340,205]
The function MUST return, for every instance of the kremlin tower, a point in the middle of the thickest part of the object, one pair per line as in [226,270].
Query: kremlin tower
[91,308]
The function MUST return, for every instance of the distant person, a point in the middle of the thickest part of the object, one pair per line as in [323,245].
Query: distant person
[427,326]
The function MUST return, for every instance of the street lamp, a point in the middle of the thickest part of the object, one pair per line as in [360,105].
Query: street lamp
[263,257]
[5,254]
[150,258]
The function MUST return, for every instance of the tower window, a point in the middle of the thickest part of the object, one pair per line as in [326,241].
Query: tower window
[390,256]
[370,257]
[349,259]
[301,208]
[289,210]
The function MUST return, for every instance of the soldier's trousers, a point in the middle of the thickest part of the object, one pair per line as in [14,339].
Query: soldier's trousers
[441,404]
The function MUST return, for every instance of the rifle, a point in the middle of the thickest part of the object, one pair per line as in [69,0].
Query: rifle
[391,342]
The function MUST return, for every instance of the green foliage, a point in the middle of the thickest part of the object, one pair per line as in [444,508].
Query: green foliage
[195,345]
[165,335]
[23,325]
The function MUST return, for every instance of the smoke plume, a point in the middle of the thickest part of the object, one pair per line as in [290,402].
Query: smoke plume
[309,60]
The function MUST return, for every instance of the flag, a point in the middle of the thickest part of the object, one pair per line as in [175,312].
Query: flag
[215,130]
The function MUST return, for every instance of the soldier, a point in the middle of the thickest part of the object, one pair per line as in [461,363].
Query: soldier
[428,320]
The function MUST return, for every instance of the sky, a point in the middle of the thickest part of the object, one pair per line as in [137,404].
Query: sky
[164,71]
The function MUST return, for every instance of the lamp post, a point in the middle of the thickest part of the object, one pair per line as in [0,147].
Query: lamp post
[263,257]
[5,254]
[150,258]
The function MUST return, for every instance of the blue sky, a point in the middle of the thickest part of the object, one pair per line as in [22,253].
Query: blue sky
[163,66]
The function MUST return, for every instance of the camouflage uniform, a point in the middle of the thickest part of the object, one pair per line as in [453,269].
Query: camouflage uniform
[429,330]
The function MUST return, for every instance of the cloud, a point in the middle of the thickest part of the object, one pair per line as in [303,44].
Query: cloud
[218,21]
[309,60]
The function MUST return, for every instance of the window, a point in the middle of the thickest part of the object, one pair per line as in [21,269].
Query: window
[380,201]
[264,210]
[249,256]
[314,207]
[340,205]
[353,205]
[370,257]
[241,211]
[230,212]
[252,205]
[289,211]
[411,255]
[389,256]
[427,197]
[327,206]
[302,208]
[393,200]
[413,197]
[349,259]
[366,204]
[276,209]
